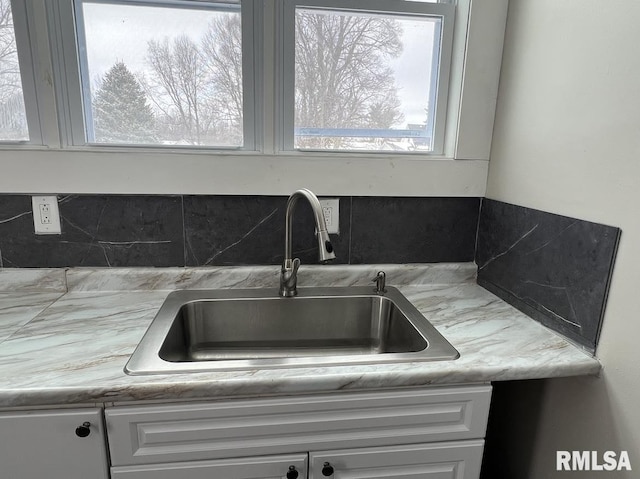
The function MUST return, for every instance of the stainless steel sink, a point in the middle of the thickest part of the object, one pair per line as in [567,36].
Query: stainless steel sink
[256,328]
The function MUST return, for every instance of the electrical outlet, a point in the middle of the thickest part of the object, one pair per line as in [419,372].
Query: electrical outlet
[331,212]
[45,213]
[46,217]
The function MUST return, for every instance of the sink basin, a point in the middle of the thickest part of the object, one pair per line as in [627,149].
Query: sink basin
[255,328]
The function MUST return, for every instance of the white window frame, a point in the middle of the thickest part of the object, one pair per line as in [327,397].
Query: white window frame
[72,70]
[441,59]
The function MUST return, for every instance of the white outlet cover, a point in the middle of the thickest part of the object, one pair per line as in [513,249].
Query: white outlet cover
[52,228]
[333,224]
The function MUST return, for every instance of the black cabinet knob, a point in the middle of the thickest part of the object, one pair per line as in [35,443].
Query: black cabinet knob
[84,430]
[292,474]
[327,469]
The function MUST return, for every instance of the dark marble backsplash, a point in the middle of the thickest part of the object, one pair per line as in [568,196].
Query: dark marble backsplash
[412,230]
[96,231]
[554,268]
[132,230]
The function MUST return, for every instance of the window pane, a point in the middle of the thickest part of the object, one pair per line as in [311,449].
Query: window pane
[162,74]
[13,118]
[364,81]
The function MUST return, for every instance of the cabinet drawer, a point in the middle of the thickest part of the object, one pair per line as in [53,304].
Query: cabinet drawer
[256,427]
[270,467]
[451,460]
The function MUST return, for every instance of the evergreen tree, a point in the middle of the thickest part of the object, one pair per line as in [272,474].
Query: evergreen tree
[120,108]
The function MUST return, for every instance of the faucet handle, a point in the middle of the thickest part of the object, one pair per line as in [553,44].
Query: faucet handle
[295,264]
[380,281]
[291,266]
[289,277]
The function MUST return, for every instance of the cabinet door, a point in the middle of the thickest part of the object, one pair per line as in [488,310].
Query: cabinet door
[44,444]
[447,460]
[268,467]
[289,425]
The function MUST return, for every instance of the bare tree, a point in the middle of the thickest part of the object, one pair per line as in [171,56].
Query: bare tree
[196,87]
[13,122]
[179,87]
[342,75]
[9,69]
[222,48]
[343,78]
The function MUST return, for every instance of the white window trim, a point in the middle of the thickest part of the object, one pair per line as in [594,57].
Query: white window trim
[286,28]
[66,72]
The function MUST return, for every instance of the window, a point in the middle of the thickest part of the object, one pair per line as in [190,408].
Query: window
[292,77]
[357,75]
[369,76]
[162,73]
[13,115]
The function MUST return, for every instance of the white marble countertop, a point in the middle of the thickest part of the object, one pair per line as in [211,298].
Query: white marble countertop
[65,335]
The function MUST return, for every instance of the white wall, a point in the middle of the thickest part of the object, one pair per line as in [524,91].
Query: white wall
[135,172]
[567,141]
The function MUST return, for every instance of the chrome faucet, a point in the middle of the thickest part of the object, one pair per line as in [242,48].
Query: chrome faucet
[289,271]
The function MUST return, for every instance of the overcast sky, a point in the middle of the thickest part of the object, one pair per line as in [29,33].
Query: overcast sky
[120,33]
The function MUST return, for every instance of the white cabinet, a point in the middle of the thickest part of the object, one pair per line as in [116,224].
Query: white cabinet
[45,444]
[427,433]
[284,425]
[268,467]
[449,460]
